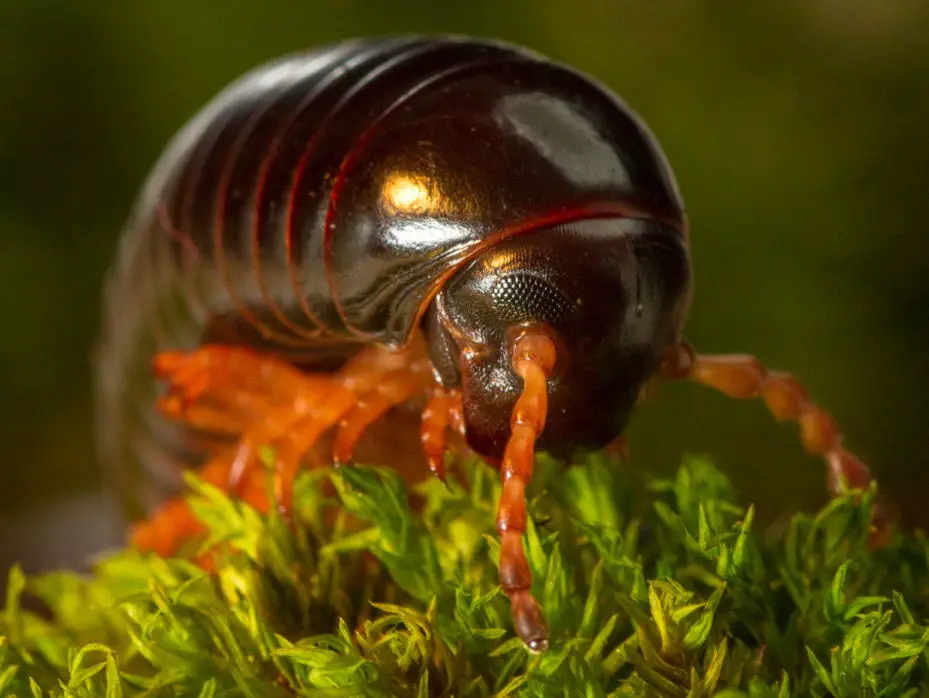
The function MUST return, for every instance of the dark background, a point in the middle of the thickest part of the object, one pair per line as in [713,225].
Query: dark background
[797,129]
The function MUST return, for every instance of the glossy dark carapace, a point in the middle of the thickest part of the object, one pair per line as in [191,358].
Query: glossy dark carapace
[459,227]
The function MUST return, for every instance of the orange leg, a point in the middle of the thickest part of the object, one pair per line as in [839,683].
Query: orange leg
[395,388]
[222,371]
[267,402]
[743,376]
[533,360]
[443,410]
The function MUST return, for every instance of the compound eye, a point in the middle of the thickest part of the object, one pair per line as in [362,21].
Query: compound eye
[525,297]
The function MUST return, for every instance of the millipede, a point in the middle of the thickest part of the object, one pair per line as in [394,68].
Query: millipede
[459,227]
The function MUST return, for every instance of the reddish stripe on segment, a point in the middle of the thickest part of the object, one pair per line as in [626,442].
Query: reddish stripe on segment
[289,234]
[183,239]
[301,167]
[606,209]
[257,225]
[219,253]
[261,193]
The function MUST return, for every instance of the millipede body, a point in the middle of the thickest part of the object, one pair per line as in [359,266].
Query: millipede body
[458,225]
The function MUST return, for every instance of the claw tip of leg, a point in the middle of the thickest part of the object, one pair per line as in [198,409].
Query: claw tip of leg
[529,621]
[537,645]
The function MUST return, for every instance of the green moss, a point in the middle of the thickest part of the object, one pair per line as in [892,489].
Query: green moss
[651,588]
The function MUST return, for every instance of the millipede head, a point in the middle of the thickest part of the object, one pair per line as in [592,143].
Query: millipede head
[609,293]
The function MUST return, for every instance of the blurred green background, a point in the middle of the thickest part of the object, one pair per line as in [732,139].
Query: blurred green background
[797,129]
